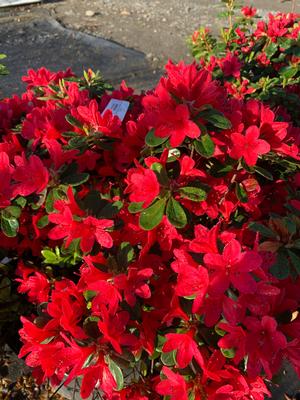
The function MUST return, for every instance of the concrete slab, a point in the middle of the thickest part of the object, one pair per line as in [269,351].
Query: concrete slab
[33,43]
[10,3]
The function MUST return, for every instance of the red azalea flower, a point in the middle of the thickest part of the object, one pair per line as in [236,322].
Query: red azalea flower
[230,65]
[235,339]
[92,230]
[249,12]
[264,345]
[174,386]
[233,266]
[142,185]
[6,172]
[176,124]
[113,328]
[36,286]
[192,280]
[97,375]
[186,348]
[31,175]
[108,124]
[134,283]
[248,146]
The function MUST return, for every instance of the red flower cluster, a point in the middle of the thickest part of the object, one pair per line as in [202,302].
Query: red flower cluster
[159,262]
[255,57]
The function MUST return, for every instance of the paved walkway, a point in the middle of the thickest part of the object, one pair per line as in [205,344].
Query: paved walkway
[129,39]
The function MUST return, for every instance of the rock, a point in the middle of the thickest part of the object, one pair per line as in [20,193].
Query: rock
[125,13]
[90,13]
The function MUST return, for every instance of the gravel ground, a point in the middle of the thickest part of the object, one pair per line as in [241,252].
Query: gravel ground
[158,28]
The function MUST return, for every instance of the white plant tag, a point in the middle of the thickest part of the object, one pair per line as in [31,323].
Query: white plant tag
[118,108]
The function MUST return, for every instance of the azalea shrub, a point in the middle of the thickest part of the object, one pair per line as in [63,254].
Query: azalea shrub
[255,57]
[157,243]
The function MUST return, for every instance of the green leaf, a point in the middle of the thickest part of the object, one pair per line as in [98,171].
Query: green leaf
[271,49]
[54,194]
[219,331]
[153,141]
[48,340]
[169,358]
[262,229]
[137,207]
[295,260]
[125,255]
[176,214]
[50,257]
[288,71]
[216,118]
[152,216]
[228,353]
[295,50]
[266,174]
[76,179]
[116,372]
[204,146]
[21,201]
[281,267]
[78,142]
[193,193]
[219,170]
[9,226]
[241,193]
[290,225]
[42,222]
[161,173]
[73,121]
[12,211]
[70,134]
[89,294]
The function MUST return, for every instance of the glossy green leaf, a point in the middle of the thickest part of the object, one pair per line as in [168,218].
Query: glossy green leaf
[73,121]
[176,214]
[228,353]
[137,207]
[262,229]
[152,216]
[271,49]
[153,141]
[193,193]
[116,372]
[280,269]
[42,222]
[289,71]
[263,172]
[161,173]
[241,193]
[204,146]
[216,118]
[169,358]
[50,257]
[12,211]
[9,226]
